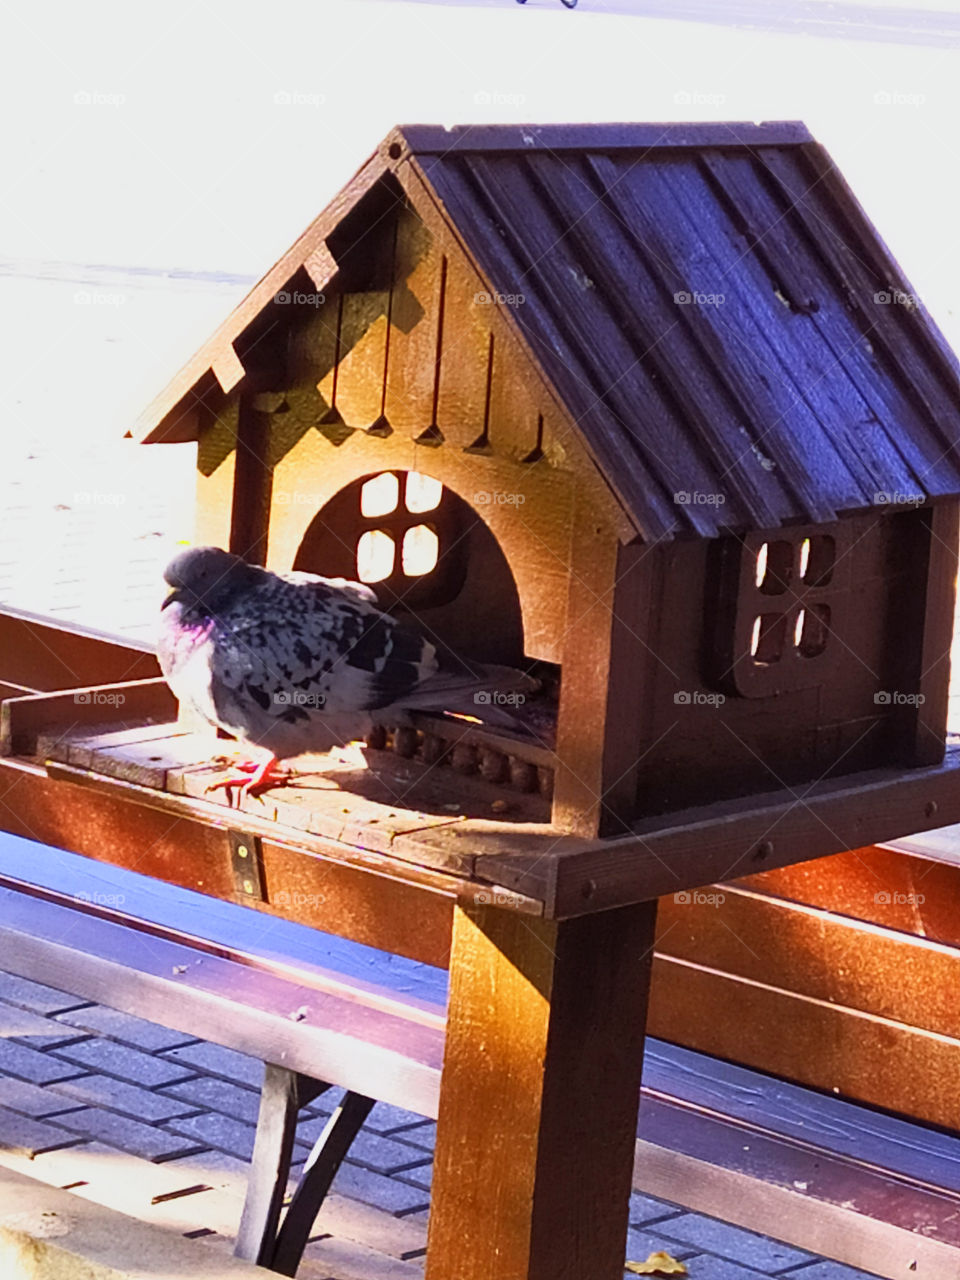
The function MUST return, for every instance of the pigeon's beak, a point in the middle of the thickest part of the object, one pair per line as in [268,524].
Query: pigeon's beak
[172,597]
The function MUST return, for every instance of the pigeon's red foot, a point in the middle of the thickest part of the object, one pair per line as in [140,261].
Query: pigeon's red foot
[263,775]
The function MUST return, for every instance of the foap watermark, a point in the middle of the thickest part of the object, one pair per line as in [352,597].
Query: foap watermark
[697,898]
[698,698]
[299,698]
[287,899]
[498,498]
[697,98]
[898,98]
[894,698]
[692,298]
[92,498]
[498,698]
[898,499]
[297,298]
[98,698]
[101,899]
[98,298]
[497,898]
[484,299]
[888,898]
[695,498]
[97,98]
[296,98]
[897,298]
[497,98]
[297,498]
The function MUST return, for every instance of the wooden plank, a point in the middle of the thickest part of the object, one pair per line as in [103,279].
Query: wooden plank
[43,653]
[464,356]
[606,667]
[916,891]
[828,1047]
[815,953]
[416,309]
[23,720]
[340,1038]
[538,1096]
[364,328]
[728,840]
[382,902]
[835,1227]
[424,139]
[933,686]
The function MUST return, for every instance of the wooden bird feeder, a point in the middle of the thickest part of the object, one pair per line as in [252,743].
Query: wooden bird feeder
[626,404]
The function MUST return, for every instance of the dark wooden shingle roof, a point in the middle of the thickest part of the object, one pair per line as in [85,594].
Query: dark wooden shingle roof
[717,313]
[718,316]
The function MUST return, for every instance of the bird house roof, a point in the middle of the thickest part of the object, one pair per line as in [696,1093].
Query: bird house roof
[709,305]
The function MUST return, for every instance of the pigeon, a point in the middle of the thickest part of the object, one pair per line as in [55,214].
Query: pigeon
[294,662]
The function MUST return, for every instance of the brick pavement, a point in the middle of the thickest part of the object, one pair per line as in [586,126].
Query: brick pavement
[149,1122]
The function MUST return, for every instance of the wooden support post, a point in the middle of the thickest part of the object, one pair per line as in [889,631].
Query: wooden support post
[539,1095]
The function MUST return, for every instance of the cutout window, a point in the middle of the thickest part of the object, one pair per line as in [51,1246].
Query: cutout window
[393,542]
[784,587]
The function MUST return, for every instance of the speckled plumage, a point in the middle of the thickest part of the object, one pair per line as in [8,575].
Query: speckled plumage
[295,662]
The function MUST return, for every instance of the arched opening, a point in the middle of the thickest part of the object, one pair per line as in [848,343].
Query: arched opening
[428,556]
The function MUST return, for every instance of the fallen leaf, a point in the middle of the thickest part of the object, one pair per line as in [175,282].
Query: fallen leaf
[658,1264]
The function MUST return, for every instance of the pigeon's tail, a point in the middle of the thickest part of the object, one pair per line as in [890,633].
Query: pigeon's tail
[489,692]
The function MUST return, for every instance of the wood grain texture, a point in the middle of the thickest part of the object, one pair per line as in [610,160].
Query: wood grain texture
[538,1097]
[728,840]
[407,911]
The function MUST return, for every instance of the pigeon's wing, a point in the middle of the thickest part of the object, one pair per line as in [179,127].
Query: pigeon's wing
[311,645]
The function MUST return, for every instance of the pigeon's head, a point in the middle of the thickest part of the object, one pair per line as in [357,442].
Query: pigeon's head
[205,579]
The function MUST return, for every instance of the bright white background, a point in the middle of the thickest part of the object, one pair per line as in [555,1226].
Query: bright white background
[157,158]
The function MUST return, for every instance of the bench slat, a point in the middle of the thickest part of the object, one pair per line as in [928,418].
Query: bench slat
[381,1054]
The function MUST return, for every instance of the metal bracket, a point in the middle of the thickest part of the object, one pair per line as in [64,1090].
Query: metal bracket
[246,865]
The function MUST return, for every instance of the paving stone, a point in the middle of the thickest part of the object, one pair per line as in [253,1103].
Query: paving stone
[706,1266]
[644,1209]
[118,1095]
[827,1271]
[744,1247]
[422,1135]
[100,1020]
[385,1117]
[31,1064]
[640,1245]
[210,1129]
[353,1220]
[218,1095]
[27,1136]
[373,1188]
[20,1095]
[346,1260]
[121,1061]
[24,1023]
[129,1135]
[370,1149]
[419,1177]
[34,995]
[216,1060]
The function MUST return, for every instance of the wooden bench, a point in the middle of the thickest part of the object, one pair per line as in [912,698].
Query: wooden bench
[713,1137]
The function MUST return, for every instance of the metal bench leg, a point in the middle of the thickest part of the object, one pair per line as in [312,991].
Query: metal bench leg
[318,1173]
[284,1093]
